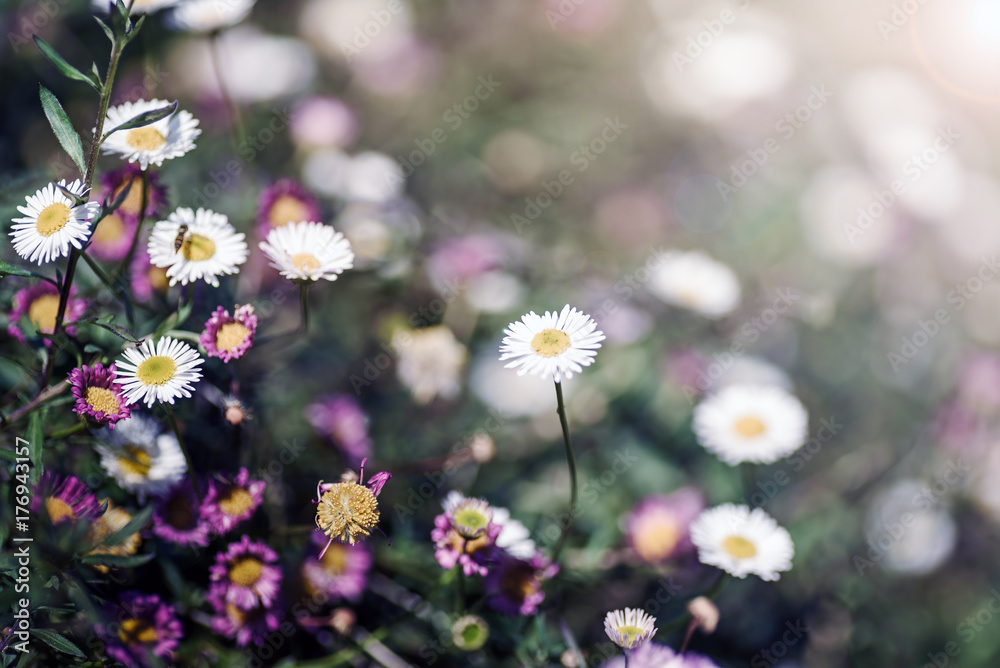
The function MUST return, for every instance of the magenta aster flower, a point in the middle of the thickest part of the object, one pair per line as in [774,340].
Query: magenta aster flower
[230,501]
[98,395]
[341,573]
[474,554]
[115,181]
[340,418]
[228,337]
[113,236]
[177,517]
[145,277]
[283,202]
[245,574]
[651,655]
[657,527]
[145,627]
[40,304]
[514,586]
[245,626]
[66,499]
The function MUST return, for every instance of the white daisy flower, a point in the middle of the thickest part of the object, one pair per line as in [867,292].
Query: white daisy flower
[160,373]
[142,459]
[138,6]
[430,362]
[169,137]
[209,15]
[514,537]
[52,222]
[308,251]
[695,281]
[751,423]
[741,541]
[554,344]
[209,246]
[629,628]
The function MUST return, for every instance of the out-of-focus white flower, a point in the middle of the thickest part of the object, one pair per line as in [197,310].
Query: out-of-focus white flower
[908,529]
[695,281]
[430,362]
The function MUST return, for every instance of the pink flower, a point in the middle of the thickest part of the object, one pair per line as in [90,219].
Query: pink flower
[229,337]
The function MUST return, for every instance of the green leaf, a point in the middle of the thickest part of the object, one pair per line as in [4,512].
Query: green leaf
[134,525]
[7,269]
[8,455]
[119,19]
[147,118]
[117,561]
[135,29]
[35,443]
[106,29]
[63,129]
[58,642]
[65,68]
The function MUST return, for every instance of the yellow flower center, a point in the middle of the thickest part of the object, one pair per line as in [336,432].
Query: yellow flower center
[103,400]
[156,370]
[246,572]
[198,247]
[52,219]
[236,501]
[158,278]
[137,631]
[109,229]
[518,582]
[749,426]
[739,547]
[133,201]
[347,511]
[305,261]
[335,559]
[631,634]
[145,139]
[59,510]
[287,209]
[42,313]
[237,616]
[231,336]
[114,519]
[469,521]
[656,539]
[550,342]
[135,461]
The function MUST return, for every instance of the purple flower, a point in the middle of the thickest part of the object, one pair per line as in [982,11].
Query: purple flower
[245,626]
[146,278]
[283,202]
[651,655]
[657,527]
[40,303]
[228,337]
[177,517]
[113,236]
[474,554]
[66,499]
[245,574]
[98,394]
[113,182]
[514,586]
[230,501]
[145,627]
[341,573]
[340,418]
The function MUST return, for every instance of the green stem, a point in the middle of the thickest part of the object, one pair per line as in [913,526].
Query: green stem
[187,456]
[42,397]
[63,433]
[124,265]
[304,303]
[571,460]
[748,472]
